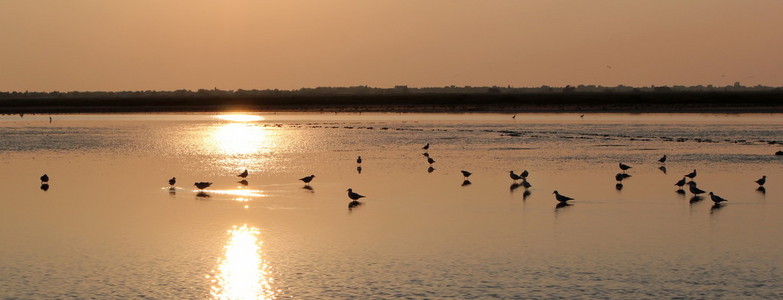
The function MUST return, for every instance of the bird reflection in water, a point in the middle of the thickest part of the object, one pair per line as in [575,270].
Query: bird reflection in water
[243,182]
[695,199]
[353,204]
[430,169]
[526,194]
[618,186]
[359,169]
[762,190]
[44,187]
[514,186]
[309,188]
[716,207]
[466,183]
[560,205]
[242,273]
[663,169]
[202,195]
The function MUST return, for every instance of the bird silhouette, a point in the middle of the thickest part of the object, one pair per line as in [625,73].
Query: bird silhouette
[561,198]
[680,183]
[695,190]
[243,174]
[44,187]
[717,199]
[359,169]
[430,160]
[354,196]
[44,178]
[426,154]
[466,174]
[513,176]
[662,159]
[526,184]
[624,167]
[762,180]
[426,147]
[172,181]
[691,175]
[307,179]
[524,174]
[663,169]
[359,159]
[202,185]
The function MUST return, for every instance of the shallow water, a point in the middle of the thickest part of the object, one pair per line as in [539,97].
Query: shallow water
[110,227]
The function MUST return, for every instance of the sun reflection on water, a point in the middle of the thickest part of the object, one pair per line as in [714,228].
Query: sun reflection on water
[242,273]
[241,138]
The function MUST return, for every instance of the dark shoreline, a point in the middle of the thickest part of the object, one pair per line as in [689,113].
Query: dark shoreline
[647,102]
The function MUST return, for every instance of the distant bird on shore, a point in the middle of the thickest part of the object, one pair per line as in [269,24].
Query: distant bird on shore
[662,159]
[691,175]
[524,174]
[717,199]
[624,167]
[430,160]
[307,179]
[243,174]
[44,178]
[561,198]
[426,154]
[513,176]
[359,159]
[427,146]
[172,181]
[466,174]
[354,196]
[202,185]
[680,183]
[695,190]
[762,180]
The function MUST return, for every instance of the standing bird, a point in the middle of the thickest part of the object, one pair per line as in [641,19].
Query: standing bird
[44,178]
[172,181]
[561,198]
[662,159]
[466,174]
[513,176]
[624,167]
[426,154]
[202,185]
[524,174]
[243,174]
[717,199]
[359,160]
[680,183]
[695,190]
[760,181]
[427,146]
[691,175]
[307,179]
[354,196]
[430,160]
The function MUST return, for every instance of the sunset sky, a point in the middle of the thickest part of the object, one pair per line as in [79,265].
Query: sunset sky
[49,45]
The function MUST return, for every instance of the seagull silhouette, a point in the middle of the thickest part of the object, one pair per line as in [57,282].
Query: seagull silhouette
[243,174]
[691,175]
[307,179]
[717,199]
[561,198]
[762,180]
[524,174]
[427,146]
[359,159]
[354,196]
[466,174]
[513,176]
[172,181]
[662,159]
[695,190]
[430,160]
[680,183]
[44,178]
[624,167]
[202,185]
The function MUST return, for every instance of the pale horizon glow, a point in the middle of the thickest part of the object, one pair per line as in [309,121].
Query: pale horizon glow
[83,45]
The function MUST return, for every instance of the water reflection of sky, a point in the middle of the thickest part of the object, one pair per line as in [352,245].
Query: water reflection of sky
[242,273]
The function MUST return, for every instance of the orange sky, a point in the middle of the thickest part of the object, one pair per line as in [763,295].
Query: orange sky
[48,45]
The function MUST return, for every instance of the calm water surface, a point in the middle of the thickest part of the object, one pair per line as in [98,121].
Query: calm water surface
[110,227]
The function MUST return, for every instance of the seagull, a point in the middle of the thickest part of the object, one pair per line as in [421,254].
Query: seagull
[561,198]
[243,174]
[760,181]
[695,190]
[717,199]
[430,160]
[526,184]
[307,179]
[691,175]
[466,174]
[619,177]
[359,160]
[44,178]
[172,181]
[354,196]
[680,183]
[624,167]
[202,185]
[662,159]
[513,176]
[524,174]
[427,146]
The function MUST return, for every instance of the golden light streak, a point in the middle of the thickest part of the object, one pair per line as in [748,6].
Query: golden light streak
[240,118]
[242,273]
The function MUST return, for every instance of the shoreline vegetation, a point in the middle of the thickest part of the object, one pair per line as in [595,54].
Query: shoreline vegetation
[730,99]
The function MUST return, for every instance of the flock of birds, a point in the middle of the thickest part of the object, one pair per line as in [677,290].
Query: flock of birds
[687,179]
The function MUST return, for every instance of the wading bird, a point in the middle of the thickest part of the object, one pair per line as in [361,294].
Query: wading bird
[354,196]
[717,199]
[466,174]
[691,175]
[513,176]
[662,159]
[172,181]
[695,190]
[624,167]
[359,159]
[762,180]
[44,178]
[243,174]
[202,185]
[561,198]
[427,146]
[680,183]
[307,179]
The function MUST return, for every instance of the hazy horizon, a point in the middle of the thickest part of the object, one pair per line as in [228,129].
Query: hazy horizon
[169,45]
